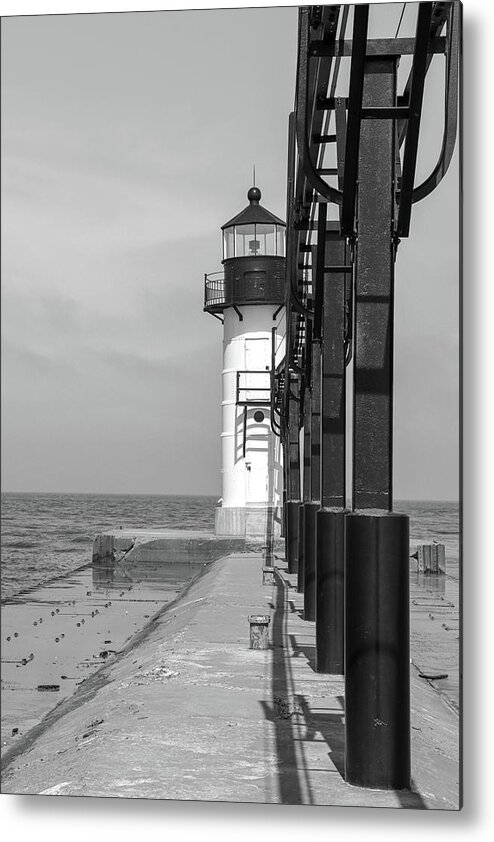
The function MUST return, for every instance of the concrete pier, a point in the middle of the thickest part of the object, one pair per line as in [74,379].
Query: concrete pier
[162,546]
[192,712]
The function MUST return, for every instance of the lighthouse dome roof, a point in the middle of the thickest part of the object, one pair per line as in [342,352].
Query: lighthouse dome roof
[254,213]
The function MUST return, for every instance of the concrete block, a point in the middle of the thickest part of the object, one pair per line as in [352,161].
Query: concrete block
[259,631]
[431,558]
[103,550]
[268,575]
[134,547]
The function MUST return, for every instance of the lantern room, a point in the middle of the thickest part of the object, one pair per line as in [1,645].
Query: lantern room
[253,260]
[255,231]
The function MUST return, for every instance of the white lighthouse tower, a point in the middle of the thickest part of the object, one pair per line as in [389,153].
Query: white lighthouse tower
[248,296]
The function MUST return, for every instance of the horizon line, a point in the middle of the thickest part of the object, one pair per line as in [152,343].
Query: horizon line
[457,499]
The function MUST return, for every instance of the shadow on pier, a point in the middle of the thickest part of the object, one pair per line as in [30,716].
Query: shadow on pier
[297,727]
[295,723]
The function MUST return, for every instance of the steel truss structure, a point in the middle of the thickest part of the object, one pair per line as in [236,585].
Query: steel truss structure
[350,191]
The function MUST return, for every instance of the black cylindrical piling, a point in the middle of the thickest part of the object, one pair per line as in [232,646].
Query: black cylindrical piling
[311,508]
[301,549]
[377,665]
[291,537]
[330,590]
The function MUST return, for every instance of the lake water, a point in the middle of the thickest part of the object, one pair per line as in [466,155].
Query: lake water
[49,535]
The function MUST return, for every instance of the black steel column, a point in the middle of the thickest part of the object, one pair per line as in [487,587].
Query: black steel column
[306,486]
[292,488]
[377,659]
[291,537]
[283,515]
[300,564]
[377,666]
[330,524]
[311,507]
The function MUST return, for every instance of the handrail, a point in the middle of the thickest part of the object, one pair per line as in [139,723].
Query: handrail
[355,94]
[419,70]
[214,289]
[450,109]
[252,401]
[273,383]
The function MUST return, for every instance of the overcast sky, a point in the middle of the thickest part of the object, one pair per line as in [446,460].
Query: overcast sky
[127,141]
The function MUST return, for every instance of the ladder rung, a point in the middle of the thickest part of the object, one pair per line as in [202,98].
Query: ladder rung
[328,171]
[327,269]
[324,103]
[309,225]
[330,103]
[399,112]
[324,138]
[333,269]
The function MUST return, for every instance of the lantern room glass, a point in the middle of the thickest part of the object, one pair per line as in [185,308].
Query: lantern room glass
[228,243]
[246,243]
[254,239]
[280,240]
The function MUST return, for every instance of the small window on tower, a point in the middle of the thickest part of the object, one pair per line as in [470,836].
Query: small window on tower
[258,416]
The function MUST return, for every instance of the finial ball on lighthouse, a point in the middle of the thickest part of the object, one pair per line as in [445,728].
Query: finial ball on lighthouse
[254,195]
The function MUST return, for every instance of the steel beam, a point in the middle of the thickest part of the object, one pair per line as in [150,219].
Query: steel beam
[306,489]
[374,287]
[319,273]
[375,47]
[312,506]
[307,460]
[330,519]
[292,485]
[294,473]
[333,416]
[315,423]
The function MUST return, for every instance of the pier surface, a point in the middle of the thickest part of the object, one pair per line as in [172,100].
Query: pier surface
[191,712]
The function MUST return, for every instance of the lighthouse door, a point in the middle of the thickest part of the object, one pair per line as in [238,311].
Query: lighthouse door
[258,429]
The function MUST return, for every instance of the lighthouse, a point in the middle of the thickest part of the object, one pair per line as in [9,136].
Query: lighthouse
[248,297]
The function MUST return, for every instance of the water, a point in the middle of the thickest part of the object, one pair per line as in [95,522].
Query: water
[49,535]
[435,521]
